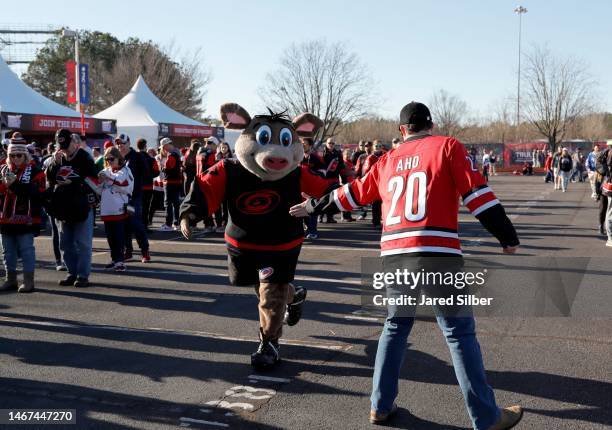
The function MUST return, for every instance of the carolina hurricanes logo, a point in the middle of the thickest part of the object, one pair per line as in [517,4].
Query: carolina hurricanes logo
[257,202]
[66,172]
[265,273]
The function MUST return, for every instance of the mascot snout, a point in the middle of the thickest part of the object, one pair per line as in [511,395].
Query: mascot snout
[275,163]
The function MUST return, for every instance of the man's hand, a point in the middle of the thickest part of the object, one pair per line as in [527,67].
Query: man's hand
[186,229]
[510,249]
[299,211]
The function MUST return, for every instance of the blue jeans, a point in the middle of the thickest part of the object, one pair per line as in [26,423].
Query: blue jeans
[75,244]
[115,235]
[172,203]
[460,334]
[15,246]
[311,224]
[55,240]
[136,227]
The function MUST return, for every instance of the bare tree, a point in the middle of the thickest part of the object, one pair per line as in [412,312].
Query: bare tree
[557,92]
[181,84]
[591,127]
[448,112]
[324,79]
[369,128]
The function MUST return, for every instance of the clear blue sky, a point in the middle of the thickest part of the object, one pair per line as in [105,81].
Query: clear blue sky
[412,48]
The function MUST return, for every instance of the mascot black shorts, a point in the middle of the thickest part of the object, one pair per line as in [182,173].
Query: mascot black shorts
[248,267]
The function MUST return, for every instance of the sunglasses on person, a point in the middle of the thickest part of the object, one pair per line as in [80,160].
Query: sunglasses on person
[110,159]
[119,142]
[16,155]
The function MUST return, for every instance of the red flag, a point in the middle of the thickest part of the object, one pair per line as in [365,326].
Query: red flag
[71,81]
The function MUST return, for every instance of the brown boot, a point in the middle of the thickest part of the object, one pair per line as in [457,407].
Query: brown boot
[10,282]
[510,417]
[380,417]
[28,283]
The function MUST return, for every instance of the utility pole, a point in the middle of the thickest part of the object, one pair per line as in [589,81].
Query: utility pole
[71,33]
[520,10]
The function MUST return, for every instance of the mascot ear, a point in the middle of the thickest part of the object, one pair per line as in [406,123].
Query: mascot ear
[234,116]
[307,125]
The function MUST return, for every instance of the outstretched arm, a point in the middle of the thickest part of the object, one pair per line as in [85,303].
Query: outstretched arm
[479,198]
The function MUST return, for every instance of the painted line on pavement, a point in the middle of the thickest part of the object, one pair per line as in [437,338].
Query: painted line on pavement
[351,317]
[187,420]
[268,378]
[223,275]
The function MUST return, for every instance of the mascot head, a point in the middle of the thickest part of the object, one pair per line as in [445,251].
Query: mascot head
[269,146]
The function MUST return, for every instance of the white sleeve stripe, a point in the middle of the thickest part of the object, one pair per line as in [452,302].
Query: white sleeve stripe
[335,196]
[419,233]
[485,206]
[412,249]
[349,197]
[477,193]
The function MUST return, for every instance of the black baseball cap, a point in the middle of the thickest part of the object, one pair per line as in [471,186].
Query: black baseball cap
[415,113]
[63,137]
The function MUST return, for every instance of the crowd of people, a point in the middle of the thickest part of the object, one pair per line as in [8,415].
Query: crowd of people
[67,185]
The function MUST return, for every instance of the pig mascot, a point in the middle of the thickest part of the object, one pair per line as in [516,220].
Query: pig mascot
[263,240]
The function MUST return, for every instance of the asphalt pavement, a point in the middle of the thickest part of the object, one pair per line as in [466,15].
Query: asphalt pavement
[167,344]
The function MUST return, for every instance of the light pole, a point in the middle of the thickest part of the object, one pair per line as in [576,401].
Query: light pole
[520,10]
[77,77]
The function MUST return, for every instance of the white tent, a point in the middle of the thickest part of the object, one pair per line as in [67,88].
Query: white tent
[141,114]
[22,108]
[17,97]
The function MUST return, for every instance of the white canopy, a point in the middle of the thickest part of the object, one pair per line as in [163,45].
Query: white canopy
[140,112]
[17,97]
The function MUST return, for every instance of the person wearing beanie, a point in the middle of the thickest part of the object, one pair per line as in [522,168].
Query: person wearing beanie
[22,184]
[17,139]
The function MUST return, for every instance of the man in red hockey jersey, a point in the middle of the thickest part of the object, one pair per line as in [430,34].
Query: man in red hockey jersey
[419,184]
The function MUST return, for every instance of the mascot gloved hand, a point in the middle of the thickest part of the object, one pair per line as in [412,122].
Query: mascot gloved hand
[263,239]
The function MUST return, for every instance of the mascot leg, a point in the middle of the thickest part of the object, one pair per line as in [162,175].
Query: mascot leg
[294,308]
[273,299]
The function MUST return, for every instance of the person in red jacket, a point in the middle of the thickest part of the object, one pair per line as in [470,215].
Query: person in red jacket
[367,166]
[207,158]
[419,184]
[22,184]
[172,171]
[548,167]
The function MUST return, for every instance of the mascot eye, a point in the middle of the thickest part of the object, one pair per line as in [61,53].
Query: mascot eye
[286,137]
[264,134]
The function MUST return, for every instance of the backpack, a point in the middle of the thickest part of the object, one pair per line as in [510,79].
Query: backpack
[565,164]
[601,163]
